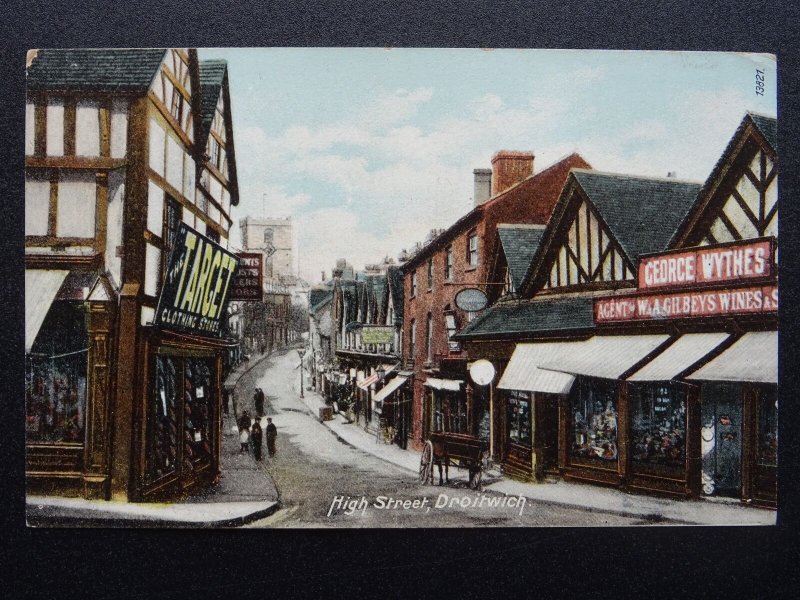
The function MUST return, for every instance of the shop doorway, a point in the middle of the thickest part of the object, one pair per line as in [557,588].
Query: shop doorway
[721,440]
[546,432]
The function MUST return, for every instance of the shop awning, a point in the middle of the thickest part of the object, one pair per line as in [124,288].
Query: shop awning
[753,357]
[41,287]
[390,387]
[607,356]
[523,372]
[682,354]
[451,385]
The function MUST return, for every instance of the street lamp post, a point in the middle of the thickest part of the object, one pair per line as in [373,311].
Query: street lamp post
[301,352]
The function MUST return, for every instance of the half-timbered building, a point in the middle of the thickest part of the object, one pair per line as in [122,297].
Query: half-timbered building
[129,160]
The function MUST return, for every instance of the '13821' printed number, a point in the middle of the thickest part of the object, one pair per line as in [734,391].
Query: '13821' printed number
[759,82]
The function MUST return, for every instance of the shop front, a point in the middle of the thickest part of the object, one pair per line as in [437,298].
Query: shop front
[393,403]
[68,323]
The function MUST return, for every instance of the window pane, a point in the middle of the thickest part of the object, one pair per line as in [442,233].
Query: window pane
[519,417]
[658,424]
[162,441]
[594,409]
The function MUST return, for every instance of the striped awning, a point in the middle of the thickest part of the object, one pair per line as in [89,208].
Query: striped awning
[41,288]
[368,381]
[679,356]
[451,385]
[607,356]
[523,372]
[389,388]
[753,357]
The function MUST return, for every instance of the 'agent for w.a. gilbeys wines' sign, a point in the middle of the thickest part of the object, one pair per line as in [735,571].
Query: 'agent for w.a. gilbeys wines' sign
[197,284]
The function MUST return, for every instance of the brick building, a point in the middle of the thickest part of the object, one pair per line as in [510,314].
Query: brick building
[456,259]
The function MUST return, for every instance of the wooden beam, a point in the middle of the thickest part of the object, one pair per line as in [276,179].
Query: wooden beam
[105,127]
[97,163]
[52,215]
[69,126]
[40,127]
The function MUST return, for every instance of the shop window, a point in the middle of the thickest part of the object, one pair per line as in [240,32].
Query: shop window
[179,428]
[594,418]
[450,324]
[55,377]
[519,417]
[658,424]
[412,346]
[767,454]
[449,413]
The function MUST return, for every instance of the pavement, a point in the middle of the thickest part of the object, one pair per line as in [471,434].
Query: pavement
[564,493]
[245,493]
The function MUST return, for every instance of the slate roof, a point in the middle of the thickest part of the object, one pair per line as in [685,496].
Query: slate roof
[642,213]
[212,74]
[519,243]
[768,128]
[124,70]
[541,316]
[318,299]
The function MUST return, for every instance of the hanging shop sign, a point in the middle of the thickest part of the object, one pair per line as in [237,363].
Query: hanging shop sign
[197,284]
[734,262]
[248,282]
[708,303]
[471,300]
[377,335]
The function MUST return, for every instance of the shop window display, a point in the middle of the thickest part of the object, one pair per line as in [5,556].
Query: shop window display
[594,410]
[519,417]
[658,424]
[449,413]
[55,377]
[197,411]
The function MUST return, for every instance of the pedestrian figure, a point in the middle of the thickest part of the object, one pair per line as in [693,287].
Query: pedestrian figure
[258,400]
[244,431]
[256,435]
[272,433]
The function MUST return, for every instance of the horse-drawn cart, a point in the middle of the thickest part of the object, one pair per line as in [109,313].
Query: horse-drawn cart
[452,449]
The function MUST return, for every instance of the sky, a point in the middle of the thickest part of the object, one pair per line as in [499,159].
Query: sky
[369,149]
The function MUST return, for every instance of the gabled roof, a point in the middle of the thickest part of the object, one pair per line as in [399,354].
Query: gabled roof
[319,300]
[123,70]
[212,76]
[519,243]
[767,127]
[641,212]
[507,320]
[316,295]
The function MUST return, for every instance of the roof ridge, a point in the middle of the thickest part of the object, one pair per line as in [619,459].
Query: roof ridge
[533,176]
[522,226]
[638,177]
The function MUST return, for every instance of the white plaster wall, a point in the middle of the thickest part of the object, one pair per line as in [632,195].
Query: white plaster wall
[157,141]
[119,128]
[116,203]
[216,189]
[30,128]
[37,204]
[152,269]
[87,128]
[175,154]
[148,315]
[155,208]
[77,199]
[213,212]
[188,177]
[188,217]
[55,127]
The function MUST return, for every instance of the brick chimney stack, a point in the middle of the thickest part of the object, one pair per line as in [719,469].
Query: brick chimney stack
[509,168]
[483,186]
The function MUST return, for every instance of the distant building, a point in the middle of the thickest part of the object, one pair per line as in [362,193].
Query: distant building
[276,239]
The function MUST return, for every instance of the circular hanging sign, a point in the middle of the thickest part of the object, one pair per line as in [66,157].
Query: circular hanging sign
[482,372]
[471,300]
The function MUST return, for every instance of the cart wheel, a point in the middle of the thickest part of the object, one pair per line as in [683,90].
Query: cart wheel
[475,476]
[426,463]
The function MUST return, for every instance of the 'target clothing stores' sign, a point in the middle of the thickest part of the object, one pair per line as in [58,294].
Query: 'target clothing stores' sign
[196,285]
[735,263]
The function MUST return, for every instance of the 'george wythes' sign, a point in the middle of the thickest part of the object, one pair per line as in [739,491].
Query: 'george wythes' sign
[735,262]
[196,285]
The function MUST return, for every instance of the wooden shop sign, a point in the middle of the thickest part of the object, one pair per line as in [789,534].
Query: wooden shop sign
[197,284]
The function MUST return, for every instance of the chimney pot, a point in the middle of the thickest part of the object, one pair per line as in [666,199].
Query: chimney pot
[509,167]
